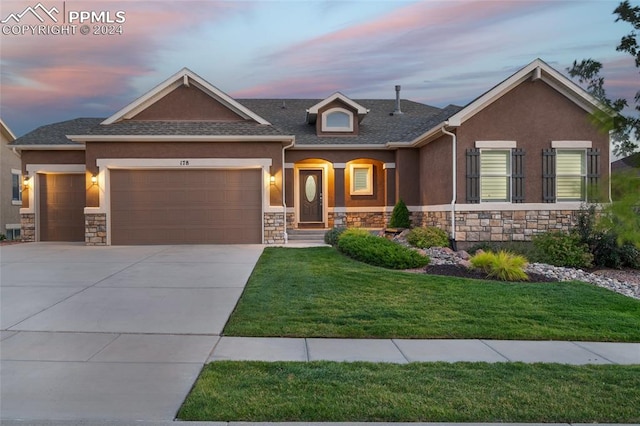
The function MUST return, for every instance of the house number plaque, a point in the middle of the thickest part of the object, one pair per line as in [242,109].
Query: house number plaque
[184,162]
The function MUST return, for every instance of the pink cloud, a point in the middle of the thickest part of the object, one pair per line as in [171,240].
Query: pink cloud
[43,71]
[400,44]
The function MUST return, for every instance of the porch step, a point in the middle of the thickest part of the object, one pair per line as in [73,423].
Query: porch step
[307,235]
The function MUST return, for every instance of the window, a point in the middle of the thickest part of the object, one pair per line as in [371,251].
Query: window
[495,175]
[13,232]
[337,120]
[362,179]
[16,187]
[571,174]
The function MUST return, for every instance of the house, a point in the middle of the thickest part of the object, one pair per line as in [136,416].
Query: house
[11,185]
[187,163]
[630,164]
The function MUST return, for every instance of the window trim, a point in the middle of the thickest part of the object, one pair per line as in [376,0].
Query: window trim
[368,190]
[583,175]
[327,113]
[508,176]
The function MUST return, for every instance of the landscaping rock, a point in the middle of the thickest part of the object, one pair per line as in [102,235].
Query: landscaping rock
[629,287]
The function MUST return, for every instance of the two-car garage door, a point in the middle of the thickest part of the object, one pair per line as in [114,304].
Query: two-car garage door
[186,206]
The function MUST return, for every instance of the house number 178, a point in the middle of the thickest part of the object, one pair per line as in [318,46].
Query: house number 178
[184,162]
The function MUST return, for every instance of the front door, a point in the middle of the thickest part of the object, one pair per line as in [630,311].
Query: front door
[311,196]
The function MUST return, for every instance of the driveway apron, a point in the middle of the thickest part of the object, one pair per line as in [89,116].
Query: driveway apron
[111,332]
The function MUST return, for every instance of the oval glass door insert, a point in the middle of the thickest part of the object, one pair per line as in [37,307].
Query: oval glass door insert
[310,188]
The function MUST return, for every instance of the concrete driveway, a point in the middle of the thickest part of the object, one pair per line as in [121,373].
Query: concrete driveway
[111,332]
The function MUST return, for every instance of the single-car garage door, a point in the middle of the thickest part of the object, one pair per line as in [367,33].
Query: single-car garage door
[186,206]
[62,202]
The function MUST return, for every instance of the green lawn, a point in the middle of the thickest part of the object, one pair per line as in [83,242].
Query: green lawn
[429,392]
[317,292]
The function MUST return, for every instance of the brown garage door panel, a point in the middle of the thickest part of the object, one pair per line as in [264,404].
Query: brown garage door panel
[62,202]
[186,206]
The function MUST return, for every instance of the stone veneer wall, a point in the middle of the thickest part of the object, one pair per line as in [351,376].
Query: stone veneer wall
[273,228]
[498,225]
[359,220]
[95,229]
[28,227]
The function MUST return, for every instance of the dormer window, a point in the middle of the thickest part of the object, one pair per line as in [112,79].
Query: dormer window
[337,120]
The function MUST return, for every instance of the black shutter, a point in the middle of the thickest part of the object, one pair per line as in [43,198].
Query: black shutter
[549,175]
[517,175]
[593,173]
[473,176]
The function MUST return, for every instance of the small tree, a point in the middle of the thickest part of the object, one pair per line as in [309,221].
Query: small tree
[400,216]
[625,127]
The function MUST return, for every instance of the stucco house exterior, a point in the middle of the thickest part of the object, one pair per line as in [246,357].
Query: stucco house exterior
[186,163]
[10,185]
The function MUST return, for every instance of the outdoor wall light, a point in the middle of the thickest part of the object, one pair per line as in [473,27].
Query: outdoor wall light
[272,179]
[94,179]
[25,181]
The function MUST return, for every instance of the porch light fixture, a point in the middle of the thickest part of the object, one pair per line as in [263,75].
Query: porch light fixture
[272,179]
[94,179]
[25,181]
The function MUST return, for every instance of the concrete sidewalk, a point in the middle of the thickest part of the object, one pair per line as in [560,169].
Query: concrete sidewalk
[404,350]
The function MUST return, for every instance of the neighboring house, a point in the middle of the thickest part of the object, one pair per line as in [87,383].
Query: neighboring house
[186,163]
[630,164]
[10,185]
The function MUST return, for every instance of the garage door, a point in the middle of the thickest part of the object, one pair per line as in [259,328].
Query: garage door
[62,202]
[186,206]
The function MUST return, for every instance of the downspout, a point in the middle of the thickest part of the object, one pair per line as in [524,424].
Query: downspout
[284,202]
[454,149]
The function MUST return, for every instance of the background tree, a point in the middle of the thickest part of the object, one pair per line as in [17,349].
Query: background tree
[625,128]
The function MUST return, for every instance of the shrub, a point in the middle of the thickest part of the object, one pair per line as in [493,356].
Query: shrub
[361,245]
[426,237]
[561,249]
[332,235]
[604,243]
[3,237]
[400,217]
[503,265]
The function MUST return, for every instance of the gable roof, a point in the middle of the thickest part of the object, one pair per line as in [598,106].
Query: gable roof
[183,77]
[536,70]
[6,131]
[312,111]
[377,129]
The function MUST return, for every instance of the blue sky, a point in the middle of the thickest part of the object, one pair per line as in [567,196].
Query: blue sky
[441,52]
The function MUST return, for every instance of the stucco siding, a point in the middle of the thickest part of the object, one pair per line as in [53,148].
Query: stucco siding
[533,115]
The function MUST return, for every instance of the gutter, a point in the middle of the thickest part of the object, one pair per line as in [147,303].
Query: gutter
[454,149]
[284,202]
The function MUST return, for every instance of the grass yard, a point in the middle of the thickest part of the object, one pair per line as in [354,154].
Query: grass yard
[430,392]
[318,292]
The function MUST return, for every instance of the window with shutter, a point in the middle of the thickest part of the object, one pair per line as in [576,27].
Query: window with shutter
[495,175]
[571,174]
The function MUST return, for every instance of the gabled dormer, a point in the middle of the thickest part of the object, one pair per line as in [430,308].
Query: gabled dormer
[336,115]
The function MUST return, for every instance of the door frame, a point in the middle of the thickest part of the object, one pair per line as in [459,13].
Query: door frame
[324,168]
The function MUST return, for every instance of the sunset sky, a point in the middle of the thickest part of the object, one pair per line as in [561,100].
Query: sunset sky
[441,52]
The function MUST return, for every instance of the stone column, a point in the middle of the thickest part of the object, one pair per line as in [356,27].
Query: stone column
[338,218]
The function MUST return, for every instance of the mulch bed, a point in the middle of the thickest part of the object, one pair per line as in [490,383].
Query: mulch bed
[462,272]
